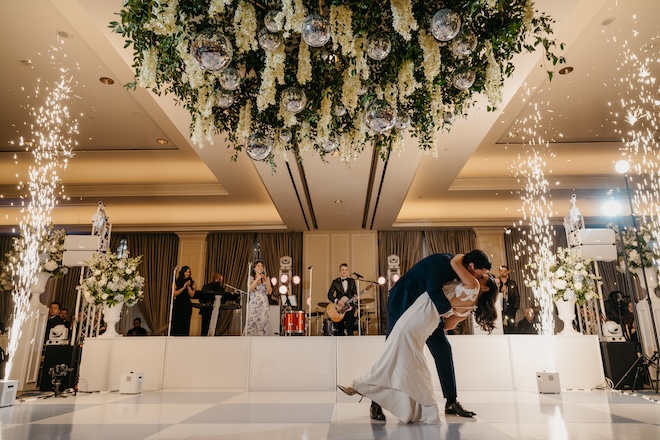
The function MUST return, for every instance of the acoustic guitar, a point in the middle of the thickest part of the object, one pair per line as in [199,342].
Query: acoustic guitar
[336,313]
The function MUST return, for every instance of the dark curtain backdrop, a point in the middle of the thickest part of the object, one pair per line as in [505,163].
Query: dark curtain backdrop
[229,253]
[159,251]
[450,241]
[274,245]
[517,263]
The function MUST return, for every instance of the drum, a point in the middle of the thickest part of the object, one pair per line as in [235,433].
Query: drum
[328,327]
[294,323]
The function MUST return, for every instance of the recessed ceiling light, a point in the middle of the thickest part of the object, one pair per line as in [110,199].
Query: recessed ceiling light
[608,21]
[107,81]
[338,202]
[26,63]
[512,134]
[162,141]
[63,34]
[565,70]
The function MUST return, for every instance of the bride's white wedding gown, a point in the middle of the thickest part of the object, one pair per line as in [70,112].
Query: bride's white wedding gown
[400,380]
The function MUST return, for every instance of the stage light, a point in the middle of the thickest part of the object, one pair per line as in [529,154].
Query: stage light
[381,280]
[273,281]
[296,279]
[622,166]
[395,277]
[283,290]
[611,208]
[284,278]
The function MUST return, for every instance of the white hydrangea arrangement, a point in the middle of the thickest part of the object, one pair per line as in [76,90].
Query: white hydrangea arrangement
[113,280]
[54,251]
[571,277]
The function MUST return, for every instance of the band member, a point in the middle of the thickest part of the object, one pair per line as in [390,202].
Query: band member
[215,287]
[341,290]
[510,299]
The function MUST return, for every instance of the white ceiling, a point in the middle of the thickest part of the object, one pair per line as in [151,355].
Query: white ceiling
[180,187]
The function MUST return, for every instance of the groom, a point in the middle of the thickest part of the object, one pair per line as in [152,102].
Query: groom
[429,275]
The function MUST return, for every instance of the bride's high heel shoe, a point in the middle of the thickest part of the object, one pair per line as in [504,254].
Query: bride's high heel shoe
[350,391]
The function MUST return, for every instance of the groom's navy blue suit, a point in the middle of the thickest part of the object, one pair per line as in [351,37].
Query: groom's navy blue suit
[428,275]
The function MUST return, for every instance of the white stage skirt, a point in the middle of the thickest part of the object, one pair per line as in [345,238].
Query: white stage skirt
[482,362]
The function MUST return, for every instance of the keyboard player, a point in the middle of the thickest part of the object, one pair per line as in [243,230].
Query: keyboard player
[207,296]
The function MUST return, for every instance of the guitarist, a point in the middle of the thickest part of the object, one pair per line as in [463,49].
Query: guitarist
[341,290]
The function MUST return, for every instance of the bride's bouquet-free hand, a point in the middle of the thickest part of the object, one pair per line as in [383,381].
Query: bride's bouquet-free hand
[113,280]
[571,277]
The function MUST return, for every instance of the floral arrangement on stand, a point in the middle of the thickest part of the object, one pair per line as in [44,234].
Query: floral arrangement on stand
[50,259]
[113,280]
[571,277]
[329,76]
[633,241]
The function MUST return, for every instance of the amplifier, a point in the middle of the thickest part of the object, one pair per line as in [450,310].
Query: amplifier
[591,236]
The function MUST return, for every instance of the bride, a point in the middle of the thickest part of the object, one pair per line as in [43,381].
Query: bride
[400,380]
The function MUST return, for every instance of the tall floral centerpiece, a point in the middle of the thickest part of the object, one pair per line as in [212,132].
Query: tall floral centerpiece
[112,282]
[570,281]
[640,251]
[329,76]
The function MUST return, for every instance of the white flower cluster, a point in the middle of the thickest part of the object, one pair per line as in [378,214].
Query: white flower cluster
[113,280]
[53,253]
[403,21]
[635,240]
[163,21]
[571,277]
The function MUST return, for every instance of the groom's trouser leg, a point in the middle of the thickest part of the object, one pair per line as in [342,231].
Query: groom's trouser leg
[444,362]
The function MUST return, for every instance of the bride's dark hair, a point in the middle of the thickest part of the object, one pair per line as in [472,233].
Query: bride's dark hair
[486,315]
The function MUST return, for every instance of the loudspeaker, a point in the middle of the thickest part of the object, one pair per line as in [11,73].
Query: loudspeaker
[618,357]
[82,242]
[548,383]
[593,236]
[130,383]
[57,355]
[8,392]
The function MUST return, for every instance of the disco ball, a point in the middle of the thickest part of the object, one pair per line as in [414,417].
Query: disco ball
[464,44]
[212,51]
[315,30]
[230,78]
[225,98]
[378,46]
[269,40]
[294,99]
[270,22]
[380,116]
[445,24]
[464,78]
[330,144]
[402,121]
[286,136]
[259,146]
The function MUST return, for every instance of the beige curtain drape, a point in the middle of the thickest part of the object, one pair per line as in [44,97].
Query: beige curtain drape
[229,254]
[159,251]
[6,301]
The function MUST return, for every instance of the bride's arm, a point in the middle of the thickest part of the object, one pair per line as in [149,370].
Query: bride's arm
[469,280]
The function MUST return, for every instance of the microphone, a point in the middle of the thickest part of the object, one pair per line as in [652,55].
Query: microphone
[357,275]
[176,267]
[310,267]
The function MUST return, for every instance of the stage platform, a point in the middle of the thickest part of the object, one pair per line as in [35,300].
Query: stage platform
[489,362]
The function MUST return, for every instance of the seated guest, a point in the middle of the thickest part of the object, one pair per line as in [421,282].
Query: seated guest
[615,308]
[527,325]
[137,329]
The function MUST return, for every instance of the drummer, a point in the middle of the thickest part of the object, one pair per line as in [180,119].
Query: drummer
[341,290]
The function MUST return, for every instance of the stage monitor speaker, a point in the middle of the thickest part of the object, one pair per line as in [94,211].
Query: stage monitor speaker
[593,236]
[82,242]
[8,392]
[596,252]
[618,357]
[77,258]
[57,355]
[548,383]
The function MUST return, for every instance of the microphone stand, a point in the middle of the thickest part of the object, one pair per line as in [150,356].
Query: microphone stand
[375,283]
[309,301]
[169,323]
[247,302]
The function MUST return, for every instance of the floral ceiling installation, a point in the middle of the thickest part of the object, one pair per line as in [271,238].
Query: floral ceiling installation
[328,76]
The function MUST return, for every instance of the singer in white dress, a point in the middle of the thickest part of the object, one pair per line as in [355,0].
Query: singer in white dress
[400,380]
[256,323]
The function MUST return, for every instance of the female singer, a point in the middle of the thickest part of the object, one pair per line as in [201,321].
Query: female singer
[184,289]
[257,319]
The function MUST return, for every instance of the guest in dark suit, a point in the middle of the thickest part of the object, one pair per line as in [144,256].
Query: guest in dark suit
[137,329]
[510,299]
[54,318]
[527,325]
[429,275]
[341,291]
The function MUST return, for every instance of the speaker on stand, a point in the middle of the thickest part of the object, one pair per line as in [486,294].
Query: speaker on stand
[618,358]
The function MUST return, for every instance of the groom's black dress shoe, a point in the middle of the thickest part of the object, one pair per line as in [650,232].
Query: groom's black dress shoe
[457,409]
[376,412]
